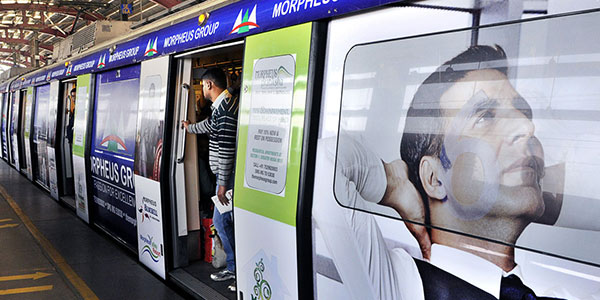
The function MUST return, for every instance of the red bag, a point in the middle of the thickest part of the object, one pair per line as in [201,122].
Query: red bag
[207,239]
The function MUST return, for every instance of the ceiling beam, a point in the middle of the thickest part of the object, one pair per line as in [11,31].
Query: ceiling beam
[50,8]
[166,3]
[42,28]
[25,42]
[23,53]
[9,62]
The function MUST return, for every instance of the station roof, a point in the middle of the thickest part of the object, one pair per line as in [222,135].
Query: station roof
[53,20]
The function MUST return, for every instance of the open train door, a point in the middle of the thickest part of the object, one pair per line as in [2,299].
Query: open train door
[148,163]
[275,117]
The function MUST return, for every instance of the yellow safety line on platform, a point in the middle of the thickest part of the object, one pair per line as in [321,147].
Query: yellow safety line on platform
[8,226]
[34,276]
[26,290]
[58,260]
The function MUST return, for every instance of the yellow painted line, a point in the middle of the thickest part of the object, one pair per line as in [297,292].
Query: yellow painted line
[26,290]
[8,226]
[34,276]
[5,220]
[59,261]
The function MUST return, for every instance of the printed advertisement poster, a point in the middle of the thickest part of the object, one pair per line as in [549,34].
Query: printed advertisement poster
[14,119]
[493,147]
[269,151]
[148,155]
[269,126]
[40,133]
[263,269]
[27,131]
[82,100]
[113,145]
[52,113]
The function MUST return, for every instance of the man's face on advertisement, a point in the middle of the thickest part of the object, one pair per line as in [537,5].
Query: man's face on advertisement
[490,144]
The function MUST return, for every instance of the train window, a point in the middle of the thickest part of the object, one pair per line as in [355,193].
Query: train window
[471,152]
[496,140]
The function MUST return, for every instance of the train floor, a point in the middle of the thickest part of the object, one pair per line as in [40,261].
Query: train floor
[47,252]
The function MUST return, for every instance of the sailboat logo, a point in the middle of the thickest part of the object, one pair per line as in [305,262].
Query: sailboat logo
[69,70]
[151,48]
[245,22]
[102,61]
[113,143]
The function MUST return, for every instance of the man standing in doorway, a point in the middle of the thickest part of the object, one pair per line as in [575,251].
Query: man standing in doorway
[221,128]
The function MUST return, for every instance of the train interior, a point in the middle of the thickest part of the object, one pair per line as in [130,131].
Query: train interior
[65,141]
[197,253]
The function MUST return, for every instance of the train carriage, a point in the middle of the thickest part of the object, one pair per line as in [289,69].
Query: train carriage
[385,149]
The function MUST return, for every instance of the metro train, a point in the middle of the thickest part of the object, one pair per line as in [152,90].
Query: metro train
[385,149]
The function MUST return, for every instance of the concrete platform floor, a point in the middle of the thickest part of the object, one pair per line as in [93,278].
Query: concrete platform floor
[47,252]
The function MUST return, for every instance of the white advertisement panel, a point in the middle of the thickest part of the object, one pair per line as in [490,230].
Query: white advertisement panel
[147,163]
[82,100]
[52,113]
[27,132]
[267,266]
[270,121]
[149,221]
[80,188]
[52,178]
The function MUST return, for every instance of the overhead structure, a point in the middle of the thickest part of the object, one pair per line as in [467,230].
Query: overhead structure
[54,20]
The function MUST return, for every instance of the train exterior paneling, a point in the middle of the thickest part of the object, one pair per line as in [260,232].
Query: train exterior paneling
[27,107]
[268,158]
[51,144]
[477,173]
[112,152]
[458,180]
[148,163]
[3,125]
[14,129]
[85,88]
[40,134]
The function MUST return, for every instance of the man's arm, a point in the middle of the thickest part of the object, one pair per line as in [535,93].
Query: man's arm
[366,266]
[202,127]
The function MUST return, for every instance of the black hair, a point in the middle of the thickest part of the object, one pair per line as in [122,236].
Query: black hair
[217,76]
[73,90]
[424,128]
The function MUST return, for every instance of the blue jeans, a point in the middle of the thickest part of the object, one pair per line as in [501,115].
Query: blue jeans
[224,225]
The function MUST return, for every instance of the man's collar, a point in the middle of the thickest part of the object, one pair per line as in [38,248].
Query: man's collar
[471,268]
[224,94]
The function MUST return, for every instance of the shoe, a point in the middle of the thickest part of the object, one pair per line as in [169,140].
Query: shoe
[222,275]
[232,287]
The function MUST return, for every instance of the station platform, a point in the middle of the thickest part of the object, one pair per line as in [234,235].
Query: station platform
[47,252]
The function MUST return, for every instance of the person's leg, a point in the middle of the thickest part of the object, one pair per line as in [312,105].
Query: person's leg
[228,240]
[224,225]
[227,273]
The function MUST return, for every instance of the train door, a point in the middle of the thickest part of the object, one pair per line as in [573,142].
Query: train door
[40,135]
[275,127]
[148,167]
[14,129]
[112,153]
[65,141]
[83,102]
[25,123]
[192,181]
[51,139]
[3,127]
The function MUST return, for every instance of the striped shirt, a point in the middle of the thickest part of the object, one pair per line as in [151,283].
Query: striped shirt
[221,128]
